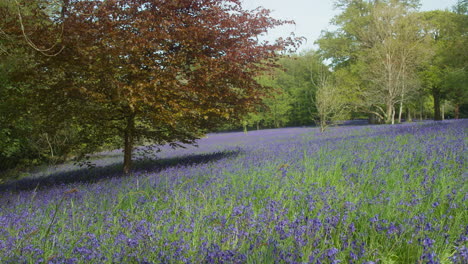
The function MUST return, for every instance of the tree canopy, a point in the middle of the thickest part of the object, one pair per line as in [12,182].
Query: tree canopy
[385,47]
[160,70]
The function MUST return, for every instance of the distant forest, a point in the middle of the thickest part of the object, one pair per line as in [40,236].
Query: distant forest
[386,62]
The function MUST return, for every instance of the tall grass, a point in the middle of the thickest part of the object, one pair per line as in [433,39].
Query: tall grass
[382,194]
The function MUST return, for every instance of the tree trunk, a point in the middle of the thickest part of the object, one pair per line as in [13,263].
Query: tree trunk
[437,113]
[400,111]
[408,117]
[421,112]
[128,147]
[323,125]
[389,118]
[258,125]
[457,111]
[443,111]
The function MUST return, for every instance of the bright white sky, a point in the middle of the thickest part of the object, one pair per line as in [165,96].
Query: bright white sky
[313,16]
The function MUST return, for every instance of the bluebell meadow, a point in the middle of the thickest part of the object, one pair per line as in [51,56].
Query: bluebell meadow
[355,194]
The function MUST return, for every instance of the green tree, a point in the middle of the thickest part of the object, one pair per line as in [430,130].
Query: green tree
[331,101]
[456,84]
[442,75]
[379,41]
[456,80]
[26,31]
[293,100]
[276,109]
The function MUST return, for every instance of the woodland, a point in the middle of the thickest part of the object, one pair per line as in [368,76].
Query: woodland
[78,77]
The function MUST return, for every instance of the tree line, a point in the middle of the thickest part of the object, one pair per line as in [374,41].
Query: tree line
[78,77]
[384,61]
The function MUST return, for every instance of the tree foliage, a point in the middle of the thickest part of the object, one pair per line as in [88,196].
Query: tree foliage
[380,42]
[331,100]
[292,101]
[161,70]
[26,137]
[443,73]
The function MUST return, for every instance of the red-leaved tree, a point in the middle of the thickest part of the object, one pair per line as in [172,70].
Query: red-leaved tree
[164,70]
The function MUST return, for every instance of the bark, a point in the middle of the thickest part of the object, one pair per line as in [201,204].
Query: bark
[323,125]
[408,117]
[389,117]
[400,112]
[443,111]
[50,145]
[375,119]
[421,112]
[401,105]
[437,101]
[128,147]
[457,111]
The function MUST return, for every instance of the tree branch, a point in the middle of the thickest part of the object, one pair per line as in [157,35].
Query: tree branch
[31,43]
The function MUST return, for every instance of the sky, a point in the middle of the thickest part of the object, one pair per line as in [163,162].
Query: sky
[313,16]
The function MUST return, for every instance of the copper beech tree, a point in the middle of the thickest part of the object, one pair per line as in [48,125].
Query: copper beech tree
[163,70]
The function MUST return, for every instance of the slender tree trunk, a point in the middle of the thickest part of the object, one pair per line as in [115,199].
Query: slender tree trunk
[50,145]
[400,111]
[389,114]
[258,125]
[421,112]
[443,111]
[408,116]
[128,147]
[275,122]
[457,111]
[323,124]
[437,112]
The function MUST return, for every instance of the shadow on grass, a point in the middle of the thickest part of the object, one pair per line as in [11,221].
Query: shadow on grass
[92,175]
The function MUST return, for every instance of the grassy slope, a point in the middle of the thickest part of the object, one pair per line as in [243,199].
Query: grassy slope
[388,194]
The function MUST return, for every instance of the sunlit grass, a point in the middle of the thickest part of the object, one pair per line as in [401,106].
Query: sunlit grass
[388,194]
